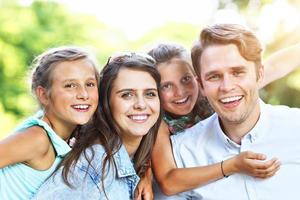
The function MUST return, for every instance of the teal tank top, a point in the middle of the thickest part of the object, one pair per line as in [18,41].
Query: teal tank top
[19,181]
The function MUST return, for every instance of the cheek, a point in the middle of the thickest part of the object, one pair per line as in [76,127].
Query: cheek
[95,95]
[166,96]
[208,90]
[155,106]
[195,88]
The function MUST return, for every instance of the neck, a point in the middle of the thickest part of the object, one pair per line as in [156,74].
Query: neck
[132,145]
[173,116]
[237,130]
[62,129]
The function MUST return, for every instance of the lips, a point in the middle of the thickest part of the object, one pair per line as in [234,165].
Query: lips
[181,101]
[232,101]
[81,107]
[140,118]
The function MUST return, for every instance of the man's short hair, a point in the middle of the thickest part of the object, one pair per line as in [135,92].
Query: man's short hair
[222,34]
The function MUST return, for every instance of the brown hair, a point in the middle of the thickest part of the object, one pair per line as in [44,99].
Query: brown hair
[223,34]
[104,130]
[163,53]
[44,64]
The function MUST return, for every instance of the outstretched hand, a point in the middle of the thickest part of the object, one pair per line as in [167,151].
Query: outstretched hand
[254,164]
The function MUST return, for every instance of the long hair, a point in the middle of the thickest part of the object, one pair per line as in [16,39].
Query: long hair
[103,129]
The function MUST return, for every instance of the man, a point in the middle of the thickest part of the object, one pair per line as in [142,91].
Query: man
[228,63]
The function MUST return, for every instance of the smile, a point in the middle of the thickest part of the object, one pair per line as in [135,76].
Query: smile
[139,118]
[182,101]
[232,99]
[81,107]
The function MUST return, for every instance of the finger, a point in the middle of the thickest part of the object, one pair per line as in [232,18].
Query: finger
[268,172]
[256,156]
[268,164]
[147,196]
[137,195]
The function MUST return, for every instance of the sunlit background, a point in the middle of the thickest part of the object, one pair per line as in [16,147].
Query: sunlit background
[29,27]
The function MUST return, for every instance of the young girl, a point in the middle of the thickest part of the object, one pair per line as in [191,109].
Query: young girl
[114,150]
[64,81]
[184,107]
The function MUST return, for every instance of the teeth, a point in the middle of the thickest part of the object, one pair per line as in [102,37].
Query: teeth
[181,100]
[139,117]
[231,99]
[81,106]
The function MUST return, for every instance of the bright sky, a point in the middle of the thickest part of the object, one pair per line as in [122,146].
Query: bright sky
[136,17]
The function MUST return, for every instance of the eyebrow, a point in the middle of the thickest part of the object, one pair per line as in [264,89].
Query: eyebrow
[231,68]
[74,79]
[132,90]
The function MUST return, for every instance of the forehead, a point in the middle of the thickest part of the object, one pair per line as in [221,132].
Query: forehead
[133,79]
[77,69]
[220,57]
[176,67]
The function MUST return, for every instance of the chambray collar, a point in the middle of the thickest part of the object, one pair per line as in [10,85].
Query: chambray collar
[123,163]
[254,134]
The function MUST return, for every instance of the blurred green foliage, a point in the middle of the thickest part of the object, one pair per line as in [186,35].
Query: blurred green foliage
[28,30]
[25,32]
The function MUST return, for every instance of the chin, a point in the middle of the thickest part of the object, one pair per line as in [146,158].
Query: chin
[82,121]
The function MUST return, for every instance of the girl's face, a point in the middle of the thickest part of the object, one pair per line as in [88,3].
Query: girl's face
[134,104]
[73,95]
[179,87]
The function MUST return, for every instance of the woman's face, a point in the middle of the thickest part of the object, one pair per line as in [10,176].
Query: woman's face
[179,87]
[134,103]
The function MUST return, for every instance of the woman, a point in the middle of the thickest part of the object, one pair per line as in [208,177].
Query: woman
[114,150]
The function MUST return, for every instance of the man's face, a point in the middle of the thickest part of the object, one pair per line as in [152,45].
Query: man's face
[230,83]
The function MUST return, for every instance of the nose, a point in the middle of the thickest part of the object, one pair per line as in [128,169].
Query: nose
[178,91]
[140,103]
[227,84]
[82,93]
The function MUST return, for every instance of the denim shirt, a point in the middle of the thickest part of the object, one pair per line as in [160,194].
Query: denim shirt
[119,183]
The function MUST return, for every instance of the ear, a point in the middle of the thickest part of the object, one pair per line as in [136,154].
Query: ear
[260,74]
[42,95]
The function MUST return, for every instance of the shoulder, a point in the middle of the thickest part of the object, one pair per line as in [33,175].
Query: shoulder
[93,156]
[91,163]
[37,137]
[282,112]
[196,131]
[25,145]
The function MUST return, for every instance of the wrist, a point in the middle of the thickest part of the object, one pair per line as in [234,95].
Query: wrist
[228,167]
[223,170]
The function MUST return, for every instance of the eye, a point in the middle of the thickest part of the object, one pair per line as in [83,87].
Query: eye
[91,84]
[70,85]
[214,77]
[166,86]
[186,79]
[127,95]
[237,73]
[151,94]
